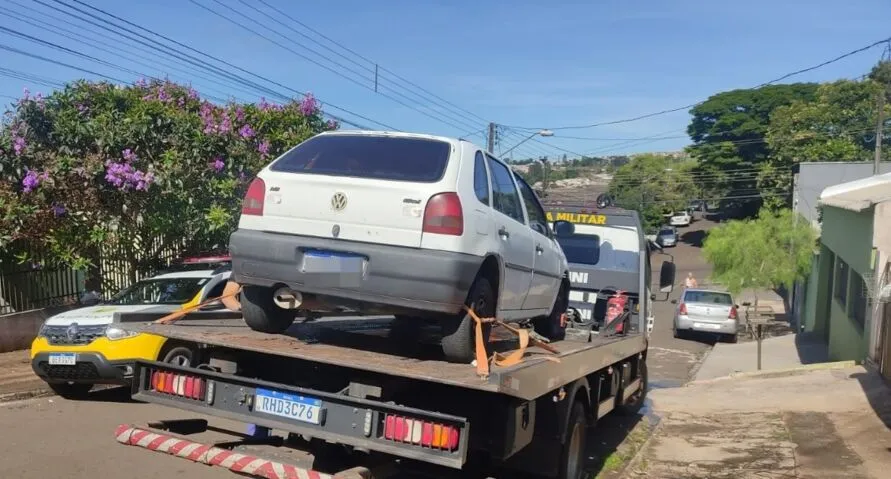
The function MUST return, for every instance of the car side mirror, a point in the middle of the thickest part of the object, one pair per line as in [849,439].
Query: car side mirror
[666,277]
[563,228]
[539,228]
[91,301]
[652,297]
[673,301]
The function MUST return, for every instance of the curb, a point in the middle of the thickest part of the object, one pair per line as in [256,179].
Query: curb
[635,460]
[691,377]
[785,371]
[24,395]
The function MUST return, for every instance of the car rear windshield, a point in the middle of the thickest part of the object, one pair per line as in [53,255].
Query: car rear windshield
[709,297]
[666,232]
[362,156]
[582,249]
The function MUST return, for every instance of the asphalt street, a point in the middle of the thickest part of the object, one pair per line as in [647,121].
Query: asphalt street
[53,437]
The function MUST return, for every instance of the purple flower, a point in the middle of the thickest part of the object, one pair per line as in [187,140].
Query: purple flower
[82,108]
[40,101]
[263,105]
[181,102]
[58,209]
[128,155]
[309,105]
[30,182]
[239,114]
[18,144]
[123,176]
[263,147]
[163,95]
[331,125]
[218,164]
[246,132]
[193,94]
[225,125]
[26,94]
[141,83]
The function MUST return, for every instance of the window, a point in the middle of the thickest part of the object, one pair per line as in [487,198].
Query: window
[504,192]
[537,219]
[841,282]
[160,291]
[581,249]
[366,156]
[859,301]
[481,179]
[710,297]
[217,290]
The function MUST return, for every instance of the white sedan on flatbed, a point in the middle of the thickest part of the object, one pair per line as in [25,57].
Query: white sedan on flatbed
[393,223]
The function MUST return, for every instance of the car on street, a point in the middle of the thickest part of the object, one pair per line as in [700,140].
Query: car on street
[683,218]
[706,311]
[667,237]
[82,347]
[413,225]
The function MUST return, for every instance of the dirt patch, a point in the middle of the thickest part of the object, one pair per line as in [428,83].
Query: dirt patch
[17,380]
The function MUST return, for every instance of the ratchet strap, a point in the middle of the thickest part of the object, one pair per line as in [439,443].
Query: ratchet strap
[504,360]
[228,298]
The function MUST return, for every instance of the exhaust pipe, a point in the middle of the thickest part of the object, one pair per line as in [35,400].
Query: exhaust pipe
[287,298]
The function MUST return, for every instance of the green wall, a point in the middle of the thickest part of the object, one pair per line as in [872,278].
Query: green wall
[849,235]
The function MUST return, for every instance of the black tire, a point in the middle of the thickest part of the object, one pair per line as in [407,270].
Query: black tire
[458,331]
[180,356]
[261,313]
[72,391]
[549,326]
[636,401]
[572,457]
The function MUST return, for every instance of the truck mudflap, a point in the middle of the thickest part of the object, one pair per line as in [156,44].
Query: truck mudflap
[362,423]
[244,464]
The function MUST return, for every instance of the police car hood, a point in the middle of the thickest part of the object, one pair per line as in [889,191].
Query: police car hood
[104,314]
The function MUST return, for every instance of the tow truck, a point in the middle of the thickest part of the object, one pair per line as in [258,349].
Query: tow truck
[344,397]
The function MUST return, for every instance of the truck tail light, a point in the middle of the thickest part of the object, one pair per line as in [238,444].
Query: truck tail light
[732,313]
[682,310]
[179,385]
[420,433]
[444,215]
[253,199]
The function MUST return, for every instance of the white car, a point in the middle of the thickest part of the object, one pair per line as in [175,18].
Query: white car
[681,219]
[394,223]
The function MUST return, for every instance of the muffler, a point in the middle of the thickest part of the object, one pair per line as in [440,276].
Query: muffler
[286,298]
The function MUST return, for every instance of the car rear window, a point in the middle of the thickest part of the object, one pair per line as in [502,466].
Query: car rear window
[709,297]
[666,232]
[379,157]
[581,249]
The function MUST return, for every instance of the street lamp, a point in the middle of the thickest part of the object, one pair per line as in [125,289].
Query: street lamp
[537,133]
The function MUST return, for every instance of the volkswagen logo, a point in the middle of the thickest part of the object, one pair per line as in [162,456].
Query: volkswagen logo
[335,231]
[338,201]
[72,331]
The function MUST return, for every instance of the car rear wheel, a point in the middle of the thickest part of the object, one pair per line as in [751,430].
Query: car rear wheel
[261,313]
[549,326]
[458,331]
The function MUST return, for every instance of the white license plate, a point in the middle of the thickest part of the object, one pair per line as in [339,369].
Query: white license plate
[291,406]
[63,359]
[706,326]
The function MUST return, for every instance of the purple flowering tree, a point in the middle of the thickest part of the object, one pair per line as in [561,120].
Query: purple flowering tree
[141,170]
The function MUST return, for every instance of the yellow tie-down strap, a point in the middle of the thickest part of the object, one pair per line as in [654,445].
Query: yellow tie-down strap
[504,360]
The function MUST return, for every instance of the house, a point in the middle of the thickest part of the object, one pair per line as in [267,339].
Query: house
[843,300]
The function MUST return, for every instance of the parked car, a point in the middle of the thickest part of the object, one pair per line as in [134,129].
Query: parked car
[706,311]
[394,223]
[667,237]
[684,218]
[82,347]
[696,205]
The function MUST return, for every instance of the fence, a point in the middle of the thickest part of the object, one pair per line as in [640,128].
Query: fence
[34,285]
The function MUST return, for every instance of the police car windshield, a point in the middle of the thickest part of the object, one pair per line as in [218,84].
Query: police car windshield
[160,291]
[581,248]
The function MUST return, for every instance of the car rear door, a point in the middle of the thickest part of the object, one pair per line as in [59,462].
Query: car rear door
[546,272]
[509,226]
[370,188]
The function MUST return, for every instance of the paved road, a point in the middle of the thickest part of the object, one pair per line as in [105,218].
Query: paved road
[52,437]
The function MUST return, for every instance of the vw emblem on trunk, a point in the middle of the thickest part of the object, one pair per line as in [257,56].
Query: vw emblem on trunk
[335,231]
[72,331]
[338,201]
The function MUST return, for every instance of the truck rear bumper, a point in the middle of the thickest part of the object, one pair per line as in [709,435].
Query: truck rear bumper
[400,277]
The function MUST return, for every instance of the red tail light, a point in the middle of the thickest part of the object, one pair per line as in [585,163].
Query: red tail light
[732,313]
[253,199]
[444,215]
[682,310]
[421,433]
[178,384]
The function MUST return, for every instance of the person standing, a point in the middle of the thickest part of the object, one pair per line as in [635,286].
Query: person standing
[690,282]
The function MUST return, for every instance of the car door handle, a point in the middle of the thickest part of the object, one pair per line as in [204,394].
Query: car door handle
[504,233]
[539,249]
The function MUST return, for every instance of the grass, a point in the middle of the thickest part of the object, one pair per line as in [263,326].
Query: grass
[616,461]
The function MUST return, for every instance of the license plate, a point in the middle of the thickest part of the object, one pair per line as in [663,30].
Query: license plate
[333,268]
[706,326]
[291,406]
[63,359]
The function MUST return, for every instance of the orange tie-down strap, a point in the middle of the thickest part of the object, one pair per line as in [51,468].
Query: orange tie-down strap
[228,298]
[504,360]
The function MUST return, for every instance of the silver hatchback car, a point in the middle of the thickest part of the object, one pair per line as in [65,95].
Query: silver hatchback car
[706,311]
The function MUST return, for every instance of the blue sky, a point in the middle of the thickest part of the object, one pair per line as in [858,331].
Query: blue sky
[517,62]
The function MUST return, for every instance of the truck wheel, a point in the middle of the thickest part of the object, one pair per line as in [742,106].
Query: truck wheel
[572,458]
[458,331]
[261,313]
[180,356]
[549,326]
[72,391]
[636,401]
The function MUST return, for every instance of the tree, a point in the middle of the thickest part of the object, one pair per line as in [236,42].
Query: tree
[134,171]
[771,251]
[647,184]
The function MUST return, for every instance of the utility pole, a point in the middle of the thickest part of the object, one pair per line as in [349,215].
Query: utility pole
[491,145]
[880,126]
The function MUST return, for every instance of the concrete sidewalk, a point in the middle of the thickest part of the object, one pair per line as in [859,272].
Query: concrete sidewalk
[781,352]
[817,424]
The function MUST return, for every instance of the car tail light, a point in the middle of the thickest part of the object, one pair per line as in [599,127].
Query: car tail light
[682,310]
[181,385]
[444,215]
[253,199]
[732,313]
[420,433]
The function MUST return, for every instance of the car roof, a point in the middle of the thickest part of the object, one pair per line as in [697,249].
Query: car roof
[706,290]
